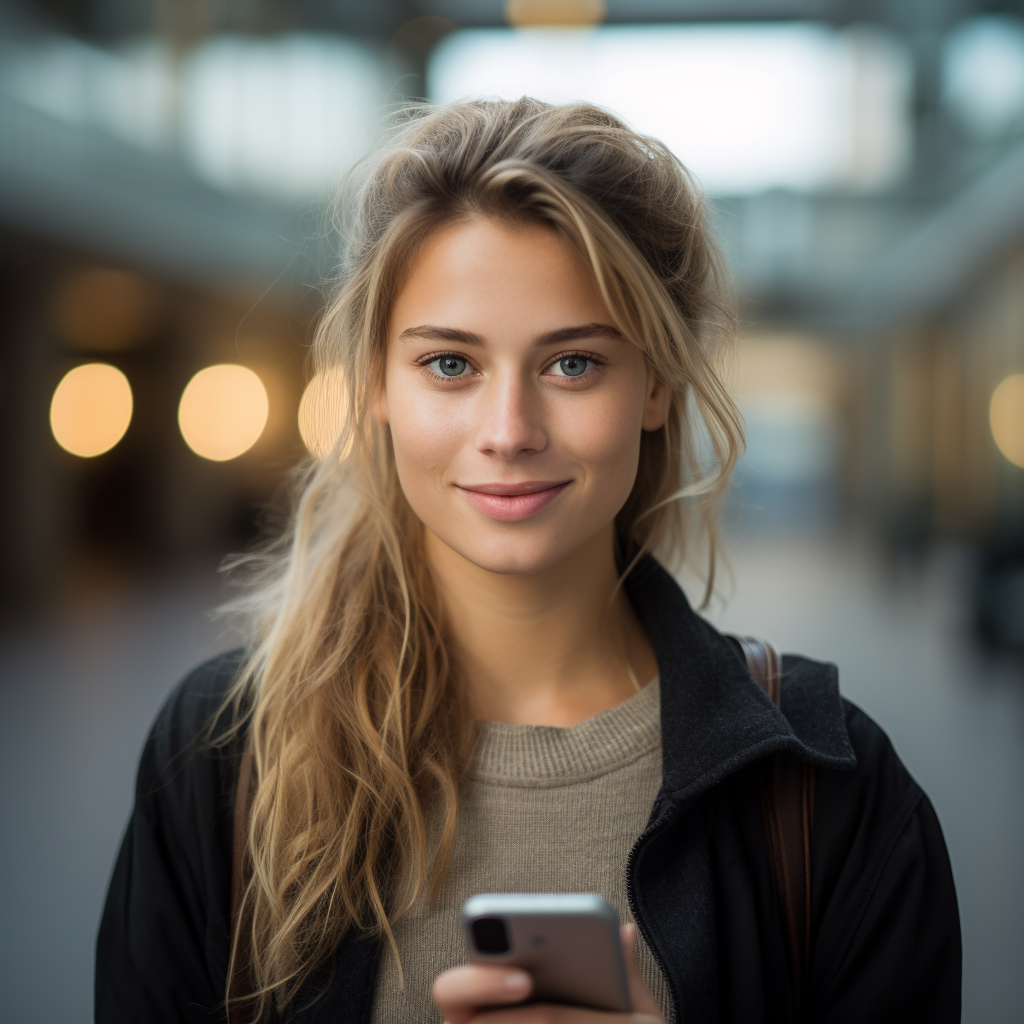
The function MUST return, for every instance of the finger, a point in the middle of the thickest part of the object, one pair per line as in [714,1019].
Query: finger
[463,991]
[639,994]
[645,1006]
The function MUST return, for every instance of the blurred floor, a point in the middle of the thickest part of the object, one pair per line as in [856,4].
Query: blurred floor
[77,694]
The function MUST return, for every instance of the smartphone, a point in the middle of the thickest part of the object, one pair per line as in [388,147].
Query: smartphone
[569,943]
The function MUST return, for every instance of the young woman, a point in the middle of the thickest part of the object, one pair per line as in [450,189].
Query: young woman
[467,671]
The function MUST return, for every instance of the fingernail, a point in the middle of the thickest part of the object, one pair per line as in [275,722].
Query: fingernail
[517,979]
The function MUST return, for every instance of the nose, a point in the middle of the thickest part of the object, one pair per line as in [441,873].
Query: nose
[509,420]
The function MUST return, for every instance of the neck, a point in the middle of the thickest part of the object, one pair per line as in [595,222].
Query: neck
[547,648]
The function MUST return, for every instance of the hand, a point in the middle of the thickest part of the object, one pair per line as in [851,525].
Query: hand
[479,993]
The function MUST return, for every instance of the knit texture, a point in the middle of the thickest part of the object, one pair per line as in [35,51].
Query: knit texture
[545,809]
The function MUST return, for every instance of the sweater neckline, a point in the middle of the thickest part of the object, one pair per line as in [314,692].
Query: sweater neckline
[551,755]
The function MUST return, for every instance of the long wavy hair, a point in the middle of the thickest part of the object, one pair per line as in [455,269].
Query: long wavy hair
[349,696]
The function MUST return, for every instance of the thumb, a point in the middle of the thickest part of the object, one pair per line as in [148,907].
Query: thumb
[640,995]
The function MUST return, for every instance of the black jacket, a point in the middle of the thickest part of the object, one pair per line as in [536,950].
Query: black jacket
[885,929]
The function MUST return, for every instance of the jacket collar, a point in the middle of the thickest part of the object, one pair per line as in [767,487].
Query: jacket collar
[714,718]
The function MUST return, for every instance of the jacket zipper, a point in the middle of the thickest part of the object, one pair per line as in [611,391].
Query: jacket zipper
[641,924]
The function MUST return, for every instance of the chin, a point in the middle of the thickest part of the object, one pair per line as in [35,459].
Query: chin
[516,554]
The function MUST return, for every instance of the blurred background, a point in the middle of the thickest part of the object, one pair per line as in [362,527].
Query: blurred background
[165,168]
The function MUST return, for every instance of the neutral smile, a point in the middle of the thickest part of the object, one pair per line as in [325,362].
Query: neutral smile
[511,503]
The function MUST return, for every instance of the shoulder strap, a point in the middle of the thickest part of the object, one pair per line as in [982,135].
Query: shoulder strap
[787,806]
[239,935]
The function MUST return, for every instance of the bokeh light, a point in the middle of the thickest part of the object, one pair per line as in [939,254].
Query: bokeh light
[223,411]
[91,409]
[1006,416]
[321,411]
[534,13]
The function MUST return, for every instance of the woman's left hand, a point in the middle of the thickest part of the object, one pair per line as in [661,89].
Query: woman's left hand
[487,993]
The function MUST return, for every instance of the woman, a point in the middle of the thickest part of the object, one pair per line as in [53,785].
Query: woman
[468,673]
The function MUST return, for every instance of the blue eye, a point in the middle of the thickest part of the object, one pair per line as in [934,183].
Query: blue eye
[572,366]
[449,366]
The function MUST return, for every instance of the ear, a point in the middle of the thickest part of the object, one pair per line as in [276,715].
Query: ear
[659,397]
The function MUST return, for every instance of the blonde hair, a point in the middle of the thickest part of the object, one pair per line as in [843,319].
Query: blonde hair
[349,694]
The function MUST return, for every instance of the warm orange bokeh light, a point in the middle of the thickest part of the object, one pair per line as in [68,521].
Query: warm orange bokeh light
[223,411]
[321,411]
[1006,417]
[554,13]
[91,409]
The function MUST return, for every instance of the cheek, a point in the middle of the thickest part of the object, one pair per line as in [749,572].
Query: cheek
[605,439]
[426,432]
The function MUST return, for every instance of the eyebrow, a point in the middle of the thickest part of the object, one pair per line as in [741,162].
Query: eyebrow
[430,332]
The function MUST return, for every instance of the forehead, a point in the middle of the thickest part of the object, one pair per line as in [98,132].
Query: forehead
[488,276]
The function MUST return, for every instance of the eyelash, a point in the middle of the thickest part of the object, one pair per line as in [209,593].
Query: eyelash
[426,360]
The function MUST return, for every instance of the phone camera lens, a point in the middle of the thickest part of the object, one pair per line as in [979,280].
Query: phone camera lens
[490,935]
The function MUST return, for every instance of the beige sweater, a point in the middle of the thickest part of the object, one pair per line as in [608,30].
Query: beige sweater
[545,810]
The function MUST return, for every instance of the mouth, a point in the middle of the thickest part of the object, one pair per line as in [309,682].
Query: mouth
[512,503]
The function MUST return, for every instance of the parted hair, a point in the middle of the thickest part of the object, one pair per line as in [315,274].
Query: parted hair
[350,698]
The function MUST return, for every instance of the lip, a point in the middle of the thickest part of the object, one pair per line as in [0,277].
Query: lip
[512,503]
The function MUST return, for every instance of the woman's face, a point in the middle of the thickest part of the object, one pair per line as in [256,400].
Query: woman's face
[515,406]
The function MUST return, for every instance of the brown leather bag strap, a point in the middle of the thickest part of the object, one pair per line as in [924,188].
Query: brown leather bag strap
[787,807]
[239,934]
